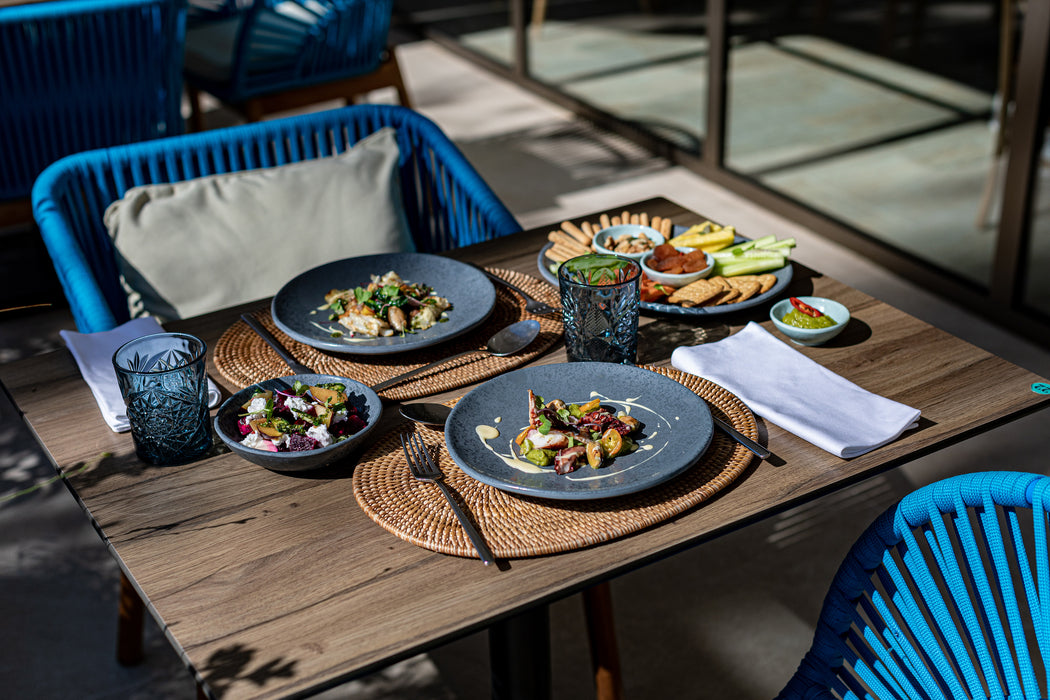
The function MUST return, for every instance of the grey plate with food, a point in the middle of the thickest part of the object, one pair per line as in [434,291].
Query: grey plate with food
[676,429]
[297,311]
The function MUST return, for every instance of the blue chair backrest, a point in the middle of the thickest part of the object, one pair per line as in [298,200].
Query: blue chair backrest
[285,44]
[946,595]
[84,74]
[447,204]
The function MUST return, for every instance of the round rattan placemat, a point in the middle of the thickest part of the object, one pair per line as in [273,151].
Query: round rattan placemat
[516,526]
[243,358]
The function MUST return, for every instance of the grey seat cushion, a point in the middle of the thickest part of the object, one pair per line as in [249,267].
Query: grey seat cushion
[192,247]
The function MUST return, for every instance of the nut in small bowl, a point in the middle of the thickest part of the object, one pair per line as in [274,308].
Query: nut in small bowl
[691,257]
[360,400]
[629,240]
[810,336]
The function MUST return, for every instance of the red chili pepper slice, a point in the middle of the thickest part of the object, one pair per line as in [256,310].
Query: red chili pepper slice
[805,308]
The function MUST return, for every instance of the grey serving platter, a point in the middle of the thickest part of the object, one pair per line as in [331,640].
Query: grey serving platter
[677,429]
[783,276]
[295,306]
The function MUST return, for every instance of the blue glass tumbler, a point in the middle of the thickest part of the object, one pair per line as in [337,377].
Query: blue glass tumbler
[162,379]
[599,301]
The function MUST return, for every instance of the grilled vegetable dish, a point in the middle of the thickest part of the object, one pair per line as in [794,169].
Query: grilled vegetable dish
[569,435]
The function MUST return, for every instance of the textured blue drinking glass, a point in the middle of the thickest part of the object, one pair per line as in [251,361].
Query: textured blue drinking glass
[165,389]
[599,302]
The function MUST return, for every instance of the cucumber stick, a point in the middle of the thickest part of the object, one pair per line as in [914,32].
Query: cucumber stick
[748,266]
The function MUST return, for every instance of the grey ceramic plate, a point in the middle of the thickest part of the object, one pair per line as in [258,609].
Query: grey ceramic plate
[677,429]
[783,276]
[295,307]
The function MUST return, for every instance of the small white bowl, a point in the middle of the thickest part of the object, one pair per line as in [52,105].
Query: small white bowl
[614,232]
[810,336]
[681,280]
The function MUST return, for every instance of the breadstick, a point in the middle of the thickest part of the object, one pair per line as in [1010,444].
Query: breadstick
[556,254]
[564,253]
[605,221]
[635,219]
[615,221]
[574,231]
[665,228]
[625,217]
[567,241]
[587,230]
[643,219]
[655,223]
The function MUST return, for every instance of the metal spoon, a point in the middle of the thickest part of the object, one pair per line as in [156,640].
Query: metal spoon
[508,341]
[426,413]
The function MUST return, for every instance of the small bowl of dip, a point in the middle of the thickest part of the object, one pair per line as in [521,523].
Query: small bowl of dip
[804,329]
[628,240]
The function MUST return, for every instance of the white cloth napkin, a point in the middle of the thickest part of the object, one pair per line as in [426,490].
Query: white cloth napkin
[94,355]
[801,396]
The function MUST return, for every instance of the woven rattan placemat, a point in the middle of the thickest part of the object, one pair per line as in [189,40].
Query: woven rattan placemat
[243,358]
[519,526]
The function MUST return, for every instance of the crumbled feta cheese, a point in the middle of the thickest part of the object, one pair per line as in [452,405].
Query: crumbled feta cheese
[257,404]
[321,434]
[253,440]
[297,404]
[339,416]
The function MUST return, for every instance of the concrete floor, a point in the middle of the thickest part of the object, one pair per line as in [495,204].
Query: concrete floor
[735,615]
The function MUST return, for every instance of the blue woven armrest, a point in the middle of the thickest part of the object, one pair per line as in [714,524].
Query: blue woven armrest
[447,204]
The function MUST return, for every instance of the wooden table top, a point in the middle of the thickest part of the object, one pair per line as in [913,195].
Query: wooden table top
[272,584]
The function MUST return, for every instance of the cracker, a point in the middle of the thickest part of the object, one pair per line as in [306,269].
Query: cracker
[767,281]
[730,296]
[747,289]
[694,293]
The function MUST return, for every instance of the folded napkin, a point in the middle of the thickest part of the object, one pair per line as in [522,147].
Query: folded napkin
[94,355]
[801,396]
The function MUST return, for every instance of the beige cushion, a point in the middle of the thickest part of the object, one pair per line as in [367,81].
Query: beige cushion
[192,247]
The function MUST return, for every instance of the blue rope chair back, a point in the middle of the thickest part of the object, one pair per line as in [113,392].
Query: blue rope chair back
[84,74]
[447,204]
[946,595]
[293,43]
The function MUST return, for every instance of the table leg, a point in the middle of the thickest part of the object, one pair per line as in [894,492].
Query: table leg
[520,656]
[130,617]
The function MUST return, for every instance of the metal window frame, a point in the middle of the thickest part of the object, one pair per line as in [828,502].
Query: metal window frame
[1002,302]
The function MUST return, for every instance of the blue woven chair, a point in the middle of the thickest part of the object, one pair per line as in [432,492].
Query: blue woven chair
[276,55]
[946,595]
[447,204]
[72,80]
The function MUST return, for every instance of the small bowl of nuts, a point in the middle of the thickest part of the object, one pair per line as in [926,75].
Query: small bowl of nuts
[629,240]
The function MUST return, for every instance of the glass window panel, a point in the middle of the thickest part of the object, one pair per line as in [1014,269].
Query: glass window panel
[642,61]
[878,119]
[483,25]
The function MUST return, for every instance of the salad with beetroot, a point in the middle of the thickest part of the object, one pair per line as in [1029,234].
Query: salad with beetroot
[305,418]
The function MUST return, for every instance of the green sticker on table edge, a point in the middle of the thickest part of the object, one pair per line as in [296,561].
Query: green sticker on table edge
[1041,388]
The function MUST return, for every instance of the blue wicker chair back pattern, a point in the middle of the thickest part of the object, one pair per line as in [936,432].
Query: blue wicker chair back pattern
[946,595]
[447,204]
[275,45]
[85,74]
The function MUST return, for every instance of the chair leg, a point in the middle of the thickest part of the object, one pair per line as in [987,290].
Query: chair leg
[196,115]
[601,632]
[397,81]
[130,617]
